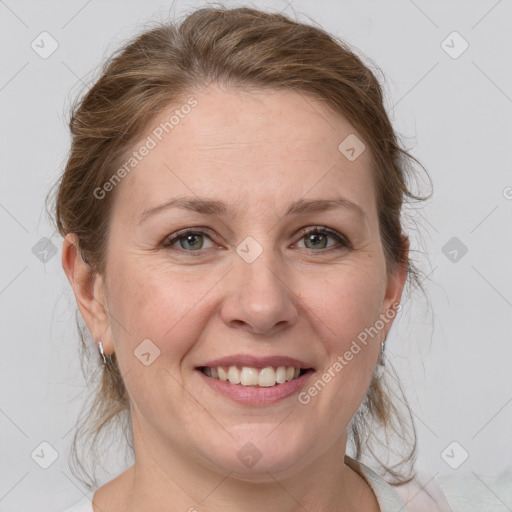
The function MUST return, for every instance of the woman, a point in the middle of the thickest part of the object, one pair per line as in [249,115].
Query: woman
[231,220]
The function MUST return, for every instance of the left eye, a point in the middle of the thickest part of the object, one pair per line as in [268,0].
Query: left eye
[318,237]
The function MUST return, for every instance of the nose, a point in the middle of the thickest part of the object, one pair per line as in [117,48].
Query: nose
[259,297]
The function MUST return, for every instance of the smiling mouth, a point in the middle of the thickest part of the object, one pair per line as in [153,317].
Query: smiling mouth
[254,377]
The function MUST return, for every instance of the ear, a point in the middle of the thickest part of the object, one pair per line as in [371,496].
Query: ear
[89,290]
[395,285]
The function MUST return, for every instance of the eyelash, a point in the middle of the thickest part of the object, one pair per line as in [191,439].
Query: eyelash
[342,242]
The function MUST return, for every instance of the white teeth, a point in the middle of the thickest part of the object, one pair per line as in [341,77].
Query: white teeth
[267,377]
[234,375]
[248,376]
[281,374]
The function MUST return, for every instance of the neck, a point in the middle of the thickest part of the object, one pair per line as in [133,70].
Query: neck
[165,479]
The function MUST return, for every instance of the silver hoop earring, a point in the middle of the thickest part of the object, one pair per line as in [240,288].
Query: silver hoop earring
[382,348]
[101,351]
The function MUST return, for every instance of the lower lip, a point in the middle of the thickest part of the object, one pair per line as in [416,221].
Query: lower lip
[254,395]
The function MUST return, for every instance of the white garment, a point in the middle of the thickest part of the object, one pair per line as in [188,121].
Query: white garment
[84,505]
[411,497]
[458,492]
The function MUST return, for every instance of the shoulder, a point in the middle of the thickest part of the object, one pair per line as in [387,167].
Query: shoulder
[458,492]
[424,494]
[470,492]
[419,495]
[84,505]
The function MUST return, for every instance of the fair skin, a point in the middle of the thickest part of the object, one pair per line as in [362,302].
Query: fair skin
[305,297]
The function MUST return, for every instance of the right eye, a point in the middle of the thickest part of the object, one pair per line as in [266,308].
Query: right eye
[190,240]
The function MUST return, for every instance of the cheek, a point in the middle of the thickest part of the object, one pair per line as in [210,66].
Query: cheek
[347,303]
[150,301]
[347,309]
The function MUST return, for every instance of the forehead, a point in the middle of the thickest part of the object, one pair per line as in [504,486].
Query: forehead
[255,148]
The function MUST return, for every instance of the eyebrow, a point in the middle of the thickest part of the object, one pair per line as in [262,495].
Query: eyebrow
[215,207]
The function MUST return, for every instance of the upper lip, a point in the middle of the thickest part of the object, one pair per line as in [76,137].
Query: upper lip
[256,362]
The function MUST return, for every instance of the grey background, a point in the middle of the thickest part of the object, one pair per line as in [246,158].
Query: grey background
[453,113]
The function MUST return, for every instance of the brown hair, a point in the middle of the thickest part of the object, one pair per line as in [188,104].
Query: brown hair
[241,48]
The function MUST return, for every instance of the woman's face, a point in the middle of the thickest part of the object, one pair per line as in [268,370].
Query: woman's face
[250,174]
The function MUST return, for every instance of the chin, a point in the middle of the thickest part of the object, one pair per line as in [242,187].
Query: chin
[253,460]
